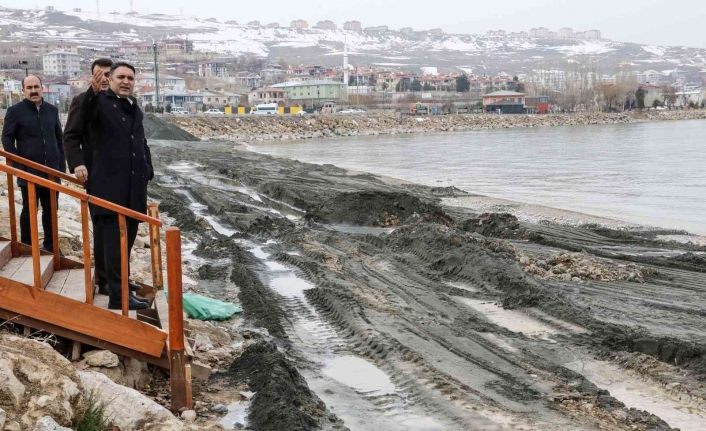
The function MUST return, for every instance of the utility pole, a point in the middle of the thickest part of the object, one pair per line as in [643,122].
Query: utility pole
[156,76]
[25,63]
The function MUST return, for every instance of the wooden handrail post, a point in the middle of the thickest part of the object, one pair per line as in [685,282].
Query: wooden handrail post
[34,233]
[155,248]
[87,279]
[14,244]
[124,273]
[54,204]
[179,378]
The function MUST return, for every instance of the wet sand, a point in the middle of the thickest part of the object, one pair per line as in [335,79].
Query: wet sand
[377,304]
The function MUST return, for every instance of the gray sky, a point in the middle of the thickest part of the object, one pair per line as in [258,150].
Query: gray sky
[675,22]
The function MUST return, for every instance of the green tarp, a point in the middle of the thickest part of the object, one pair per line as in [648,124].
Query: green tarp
[203,308]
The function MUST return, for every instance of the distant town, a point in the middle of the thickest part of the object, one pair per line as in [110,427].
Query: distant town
[189,80]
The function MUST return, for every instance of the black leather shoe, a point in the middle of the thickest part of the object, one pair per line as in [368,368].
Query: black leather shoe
[103,290]
[133,304]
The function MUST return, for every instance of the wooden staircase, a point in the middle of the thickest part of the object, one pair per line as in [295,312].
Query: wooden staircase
[46,291]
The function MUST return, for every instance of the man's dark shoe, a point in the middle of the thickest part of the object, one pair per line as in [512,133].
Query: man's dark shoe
[103,290]
[133,304]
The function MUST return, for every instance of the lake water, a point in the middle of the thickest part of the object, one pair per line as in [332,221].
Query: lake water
[646,173]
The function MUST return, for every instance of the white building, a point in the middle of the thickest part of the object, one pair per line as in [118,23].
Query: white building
[167,82]
[61,63]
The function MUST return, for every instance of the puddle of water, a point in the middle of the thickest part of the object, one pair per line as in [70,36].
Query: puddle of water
[641,395]
[360,230]
[360,375]
[463,286]
[514,320]
[290,286]
[237,413]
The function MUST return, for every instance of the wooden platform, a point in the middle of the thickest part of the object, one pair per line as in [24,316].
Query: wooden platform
[61,304]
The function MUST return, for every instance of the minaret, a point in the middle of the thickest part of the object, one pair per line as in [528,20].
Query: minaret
[345,63]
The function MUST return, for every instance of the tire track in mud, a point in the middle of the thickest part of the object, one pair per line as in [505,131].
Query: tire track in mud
[310,336]
[394,301]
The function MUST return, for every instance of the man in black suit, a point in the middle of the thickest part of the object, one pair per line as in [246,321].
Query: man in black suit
[32,130]
[121,165]
[78,156]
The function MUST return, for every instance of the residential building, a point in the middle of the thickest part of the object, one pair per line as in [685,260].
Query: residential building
[254,23]
[80,83]
[267,95]
[12,86]
[539,32]
[213,69]
[61,63]
[566,33]
[353,26]
[377,29]
[248,79]
[299,24]
[272,25]
[272,74]
[503,101]
[326,25]
[166,82]
[314,92]
[175,47]
[191,99]
[537,104]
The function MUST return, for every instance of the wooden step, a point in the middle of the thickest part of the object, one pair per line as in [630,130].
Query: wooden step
[69,283]
[5,252]
[81,318]
[20,269]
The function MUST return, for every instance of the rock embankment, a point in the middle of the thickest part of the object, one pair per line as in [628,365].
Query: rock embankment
[248,128]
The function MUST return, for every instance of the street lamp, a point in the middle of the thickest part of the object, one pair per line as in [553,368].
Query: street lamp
[25,63]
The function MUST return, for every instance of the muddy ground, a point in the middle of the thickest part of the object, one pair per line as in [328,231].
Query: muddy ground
[372,305]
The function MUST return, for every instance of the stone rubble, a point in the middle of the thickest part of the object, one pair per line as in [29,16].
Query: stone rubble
[245,129]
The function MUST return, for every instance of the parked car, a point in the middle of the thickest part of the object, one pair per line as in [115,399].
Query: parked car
[213,111]
[352,111]
[178,110]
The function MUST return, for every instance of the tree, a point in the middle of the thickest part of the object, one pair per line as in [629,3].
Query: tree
[657,103]
[670,95]
[427,86]
[640,97]
[463,85]
[416,85]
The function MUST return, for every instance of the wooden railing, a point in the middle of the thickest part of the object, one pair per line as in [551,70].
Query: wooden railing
[180,396]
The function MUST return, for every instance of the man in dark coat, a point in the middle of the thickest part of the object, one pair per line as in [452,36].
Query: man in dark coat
[32,130]
[78,156]
[121,165]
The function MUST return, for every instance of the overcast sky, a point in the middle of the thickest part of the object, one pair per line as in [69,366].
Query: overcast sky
[675,22]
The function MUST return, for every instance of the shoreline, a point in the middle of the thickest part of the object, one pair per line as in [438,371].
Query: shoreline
[245,129]
[526,211]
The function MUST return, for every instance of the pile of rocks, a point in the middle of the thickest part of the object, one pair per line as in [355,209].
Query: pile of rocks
[580,267]
[251,128]
[41,390]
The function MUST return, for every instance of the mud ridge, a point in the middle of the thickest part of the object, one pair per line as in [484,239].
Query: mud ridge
[282,398]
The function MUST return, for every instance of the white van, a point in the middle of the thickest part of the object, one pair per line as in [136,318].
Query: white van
[265,109]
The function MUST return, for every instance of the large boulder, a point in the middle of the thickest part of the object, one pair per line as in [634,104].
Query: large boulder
[127,408]
[35,381]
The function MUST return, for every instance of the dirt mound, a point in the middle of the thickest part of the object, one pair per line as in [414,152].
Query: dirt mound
[282,398]
[370,208]
[501,225]
[156,128]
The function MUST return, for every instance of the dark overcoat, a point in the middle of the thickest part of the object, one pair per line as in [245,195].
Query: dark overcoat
[34,134]
[121,164]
